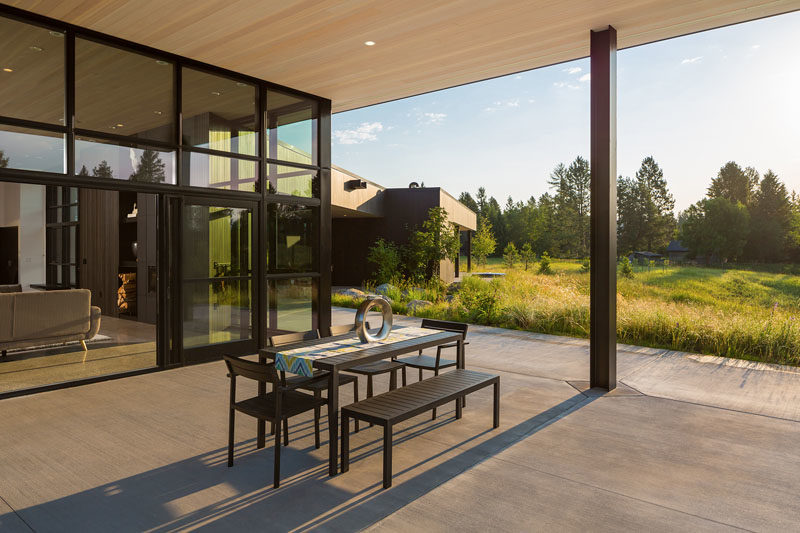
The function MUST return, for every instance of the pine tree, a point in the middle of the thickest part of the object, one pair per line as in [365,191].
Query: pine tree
[734,184]
[510,255]
[770,220]
[84,171]
[102,170]
[544,264]
[3,159]
[528,255]
[150,168]
[484,243]
[645,219]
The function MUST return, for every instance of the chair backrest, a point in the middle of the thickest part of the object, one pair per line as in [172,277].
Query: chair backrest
[341,330]
[289,338]
[445,325]
[261,372]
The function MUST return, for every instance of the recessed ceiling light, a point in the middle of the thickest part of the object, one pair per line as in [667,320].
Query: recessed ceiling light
[161,62]
[369,43]
[56,34]
[120,125]
[240,84]
[157,112]
[36,48]
[6,69]
[216,93]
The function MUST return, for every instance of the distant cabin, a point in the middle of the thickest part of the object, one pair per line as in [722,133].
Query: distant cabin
[644,258]
[677,252]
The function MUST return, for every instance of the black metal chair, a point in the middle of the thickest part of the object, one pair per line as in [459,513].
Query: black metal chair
[276,407]
[312,384]
[370,369]
[427,362]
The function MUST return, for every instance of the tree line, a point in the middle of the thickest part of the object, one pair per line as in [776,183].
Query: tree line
[744,216]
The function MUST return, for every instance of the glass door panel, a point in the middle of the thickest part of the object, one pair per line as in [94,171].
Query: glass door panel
[216,271]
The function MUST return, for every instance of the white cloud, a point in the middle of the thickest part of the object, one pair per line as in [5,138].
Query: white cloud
[366,131]
[564,84]
[585,77]
[507,104]
[572,70]
[431,118]
[690,60]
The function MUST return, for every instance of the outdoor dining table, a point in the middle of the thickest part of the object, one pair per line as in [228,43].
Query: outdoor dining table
[341,352]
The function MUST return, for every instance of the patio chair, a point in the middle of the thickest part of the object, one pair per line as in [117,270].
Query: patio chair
[311,384]
[426,362]
[370,369]
[276,407]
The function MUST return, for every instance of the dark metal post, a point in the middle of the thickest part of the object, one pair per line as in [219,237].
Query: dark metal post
[469,250]
[325,229]
[603,277]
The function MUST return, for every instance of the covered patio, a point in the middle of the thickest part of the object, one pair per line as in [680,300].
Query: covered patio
[684,442]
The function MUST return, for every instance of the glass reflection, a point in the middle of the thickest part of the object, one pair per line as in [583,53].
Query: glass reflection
[217,263]
[32,72]
[220,172]
[292,305]
[106,159]
[293,181]
[122,92]
[291,128]
[294,230]
[28,149]
[218,113]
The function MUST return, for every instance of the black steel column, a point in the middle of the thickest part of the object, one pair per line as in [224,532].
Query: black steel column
[603,277]
[325,227]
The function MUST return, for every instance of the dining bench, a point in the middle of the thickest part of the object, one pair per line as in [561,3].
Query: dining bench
[397,405]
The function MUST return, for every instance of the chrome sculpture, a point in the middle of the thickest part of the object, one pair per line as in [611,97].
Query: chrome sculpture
[361,319]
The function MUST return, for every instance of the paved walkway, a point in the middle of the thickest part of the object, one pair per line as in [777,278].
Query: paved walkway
[685,442]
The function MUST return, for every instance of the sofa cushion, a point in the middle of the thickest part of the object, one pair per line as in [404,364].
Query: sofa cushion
[6,316]
[51,313]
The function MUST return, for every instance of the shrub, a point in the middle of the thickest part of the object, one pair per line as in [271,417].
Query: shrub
[625,269]
[386,257]
[527,254]
[478,300]
[544,264]
[586,266]
[510,255]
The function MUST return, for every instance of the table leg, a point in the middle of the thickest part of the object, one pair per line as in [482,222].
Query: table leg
[461,363]
[261,427]
[333,423]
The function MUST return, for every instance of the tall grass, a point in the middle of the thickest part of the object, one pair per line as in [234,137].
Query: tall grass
[731,313]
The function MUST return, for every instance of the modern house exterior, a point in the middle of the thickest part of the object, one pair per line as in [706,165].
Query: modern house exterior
[364,211]
[174,159]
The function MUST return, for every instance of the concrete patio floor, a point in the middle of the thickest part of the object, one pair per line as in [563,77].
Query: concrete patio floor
[685,442]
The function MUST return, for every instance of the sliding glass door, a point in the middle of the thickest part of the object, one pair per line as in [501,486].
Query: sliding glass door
[215,279]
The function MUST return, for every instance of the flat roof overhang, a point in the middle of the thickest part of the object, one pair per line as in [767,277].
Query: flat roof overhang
[422,46]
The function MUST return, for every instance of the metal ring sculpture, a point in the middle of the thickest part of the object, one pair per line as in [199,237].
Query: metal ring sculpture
[361,319]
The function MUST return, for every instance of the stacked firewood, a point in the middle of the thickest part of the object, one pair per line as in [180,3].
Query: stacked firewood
[126,294]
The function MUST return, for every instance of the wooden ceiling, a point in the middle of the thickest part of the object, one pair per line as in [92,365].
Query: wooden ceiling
[421,45]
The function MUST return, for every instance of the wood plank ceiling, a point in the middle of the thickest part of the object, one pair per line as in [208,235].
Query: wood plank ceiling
[421,45]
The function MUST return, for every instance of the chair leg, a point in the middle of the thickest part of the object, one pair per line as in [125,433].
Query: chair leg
[231,420]
[369,392]
[404,376]
[317,395]
[433,414]
[346,442]
[355,399]
[420,374]
[387,456]
[458,408]
[496,421]
[277,467]
[393,380]
[5,354]
[285,431]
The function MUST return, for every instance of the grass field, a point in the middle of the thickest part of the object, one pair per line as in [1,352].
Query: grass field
[733,313]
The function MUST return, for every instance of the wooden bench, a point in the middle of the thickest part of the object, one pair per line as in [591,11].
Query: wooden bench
[398,405]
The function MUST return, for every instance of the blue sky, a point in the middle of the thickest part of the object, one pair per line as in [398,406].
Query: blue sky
[693,103]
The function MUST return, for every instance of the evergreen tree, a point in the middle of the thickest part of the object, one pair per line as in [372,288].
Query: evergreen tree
[527,254]
[3,159]
[645,219]
[510,255]
[150,168]
[483,245]
[734,184]
[544,264]
[84,171]
[715,227]
[572,202]
[102,170]
[770,220]
[468,201]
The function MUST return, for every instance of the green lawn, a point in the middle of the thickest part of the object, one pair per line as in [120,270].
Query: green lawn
[733,313]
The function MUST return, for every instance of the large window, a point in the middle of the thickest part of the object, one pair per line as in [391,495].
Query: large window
[123,93]
[123,161]
[293,231]
[31,149]
[291,128]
